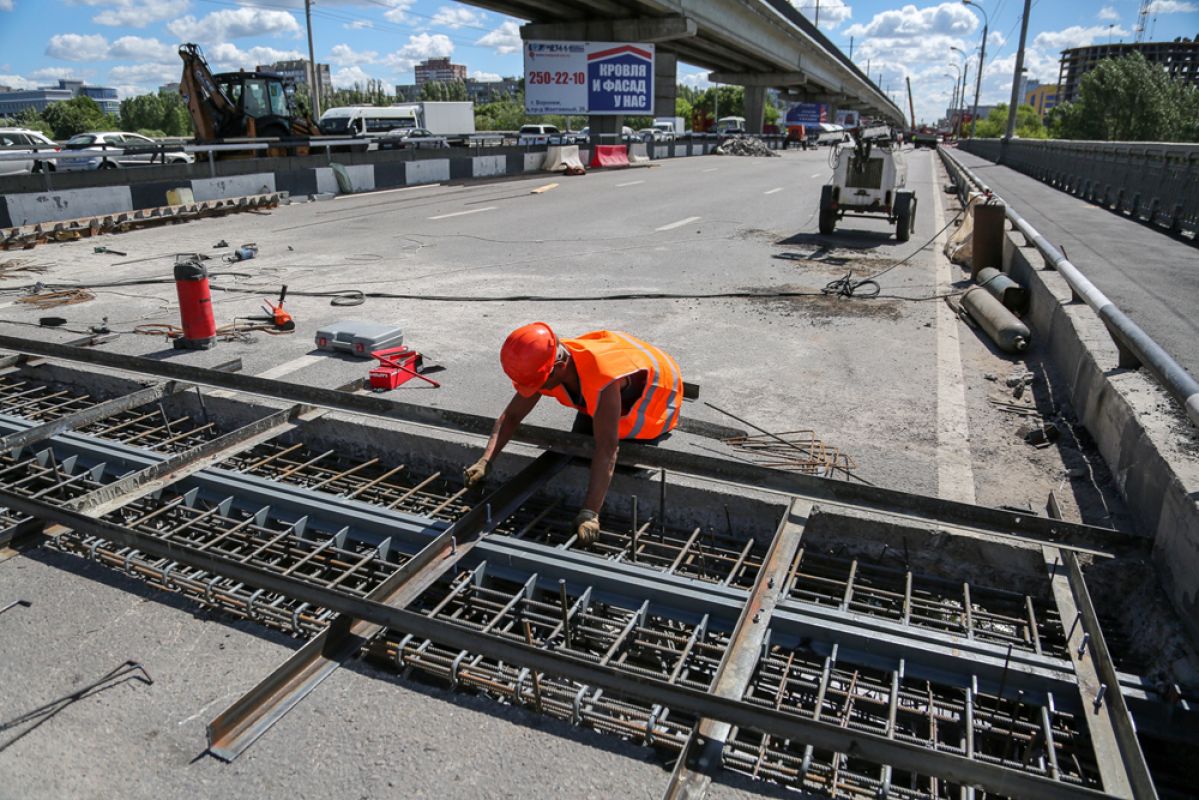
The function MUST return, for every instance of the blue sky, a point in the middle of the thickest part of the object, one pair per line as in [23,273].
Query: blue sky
[130,44]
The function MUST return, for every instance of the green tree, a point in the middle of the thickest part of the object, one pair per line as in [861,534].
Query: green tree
[31,119]
[1129,99]
[682,108]
[444,91]
[1028,123]
[77,115]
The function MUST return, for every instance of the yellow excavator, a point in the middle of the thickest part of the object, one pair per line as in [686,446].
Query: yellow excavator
[237,105]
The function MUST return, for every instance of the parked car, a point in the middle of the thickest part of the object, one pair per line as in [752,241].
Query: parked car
[111,149]
[652,135]
[539,134]
[22,141]
[411,138]
[627,135]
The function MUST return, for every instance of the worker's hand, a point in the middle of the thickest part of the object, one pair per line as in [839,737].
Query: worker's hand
[477,472]
[587,527]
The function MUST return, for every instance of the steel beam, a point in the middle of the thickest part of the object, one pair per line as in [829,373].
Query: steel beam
[823,735]
[997,523]
[764,79]
[701,756]
[243,722]
[636,29]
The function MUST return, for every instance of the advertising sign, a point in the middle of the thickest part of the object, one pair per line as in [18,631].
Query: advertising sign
[807,114]
[589,78]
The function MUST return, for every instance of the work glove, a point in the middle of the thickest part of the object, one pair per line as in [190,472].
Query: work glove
[476,473]
[587,527]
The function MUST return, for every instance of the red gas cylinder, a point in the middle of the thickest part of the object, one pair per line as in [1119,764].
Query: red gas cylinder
[195,306]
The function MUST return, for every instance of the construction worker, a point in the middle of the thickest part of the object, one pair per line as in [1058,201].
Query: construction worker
[622,387]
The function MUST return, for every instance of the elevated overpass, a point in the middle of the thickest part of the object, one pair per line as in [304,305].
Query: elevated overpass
[758,44]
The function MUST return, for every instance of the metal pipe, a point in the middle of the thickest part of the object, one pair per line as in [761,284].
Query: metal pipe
[1126,333]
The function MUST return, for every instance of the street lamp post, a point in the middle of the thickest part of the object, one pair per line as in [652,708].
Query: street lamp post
[1011,112]
[953,103]
[965,79]
[982,58]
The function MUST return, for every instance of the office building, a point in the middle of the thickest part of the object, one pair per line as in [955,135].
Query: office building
[1180,59]
[439,69]
[15,101]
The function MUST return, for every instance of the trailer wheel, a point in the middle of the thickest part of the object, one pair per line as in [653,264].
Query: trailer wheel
[903,217]
[828,214]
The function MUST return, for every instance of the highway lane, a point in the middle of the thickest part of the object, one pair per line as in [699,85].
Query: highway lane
[1151,276]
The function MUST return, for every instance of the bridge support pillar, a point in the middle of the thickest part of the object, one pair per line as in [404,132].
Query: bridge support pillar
[666,82]
[755,108]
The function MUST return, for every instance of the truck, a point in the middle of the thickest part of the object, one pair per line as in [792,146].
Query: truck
[453,120]
[671,127]
[730,126]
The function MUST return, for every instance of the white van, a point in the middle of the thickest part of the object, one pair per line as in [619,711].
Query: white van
[368,120]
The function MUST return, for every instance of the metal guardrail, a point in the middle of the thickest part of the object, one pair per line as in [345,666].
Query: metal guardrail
[1135,346]
[1154,182]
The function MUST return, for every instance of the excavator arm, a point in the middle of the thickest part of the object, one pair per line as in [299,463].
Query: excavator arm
[212,112]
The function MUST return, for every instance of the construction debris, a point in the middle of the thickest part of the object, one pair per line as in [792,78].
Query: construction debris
[748,146]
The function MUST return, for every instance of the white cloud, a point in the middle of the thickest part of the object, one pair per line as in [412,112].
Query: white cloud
[342,55]
[135,48]
[134,13]
[505,39]
[230,57]
[358,24]
[485,77]
[696,80]
[948,19]
[144,74]
[1109,14]
[832,12]
[220,26]
[56,73]
[77,47]
[398,11]
[1172,7]
[6,5]
[419,47]
[457,17]
[349,77]
[17,82]
[1075,36]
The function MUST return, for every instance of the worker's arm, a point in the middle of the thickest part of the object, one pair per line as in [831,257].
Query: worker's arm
[607,441]
[508,421]
[501,433]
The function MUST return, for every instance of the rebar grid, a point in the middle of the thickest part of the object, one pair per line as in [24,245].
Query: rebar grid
[986,613]
[258,538]
[149,426]
[372,481]
[1011,731]
[693,552]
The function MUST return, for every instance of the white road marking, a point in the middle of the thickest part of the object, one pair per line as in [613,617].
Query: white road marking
[711,169]
[955,470]
[630,183]
[678,224]
[817,175]
[772,191]
[464,213]
[288,367]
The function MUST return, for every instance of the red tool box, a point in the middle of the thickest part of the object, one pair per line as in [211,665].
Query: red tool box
[397,366]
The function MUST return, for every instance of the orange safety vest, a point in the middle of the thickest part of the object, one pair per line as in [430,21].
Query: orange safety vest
[601,357]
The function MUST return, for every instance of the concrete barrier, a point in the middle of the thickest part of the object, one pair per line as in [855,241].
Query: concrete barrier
[609,155]
[560,157]
[32,199]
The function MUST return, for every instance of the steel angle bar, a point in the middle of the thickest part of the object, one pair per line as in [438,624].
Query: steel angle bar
[998,523]
[1124,766]
[243,722]
[824,735]
[23,359]
[702,754]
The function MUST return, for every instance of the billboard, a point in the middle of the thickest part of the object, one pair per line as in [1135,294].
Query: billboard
[807,114]
[589,78]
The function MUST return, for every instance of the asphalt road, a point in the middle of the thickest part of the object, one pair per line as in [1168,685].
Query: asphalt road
[1151,276]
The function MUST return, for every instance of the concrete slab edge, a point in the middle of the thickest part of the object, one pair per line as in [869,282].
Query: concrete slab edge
[1159,484]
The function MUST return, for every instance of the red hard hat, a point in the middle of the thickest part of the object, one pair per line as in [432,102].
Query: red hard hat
[528,357]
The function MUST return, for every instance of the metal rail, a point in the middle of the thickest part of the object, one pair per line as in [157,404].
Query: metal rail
[1136,347]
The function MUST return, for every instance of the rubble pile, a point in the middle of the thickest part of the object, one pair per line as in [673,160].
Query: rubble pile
[748,146]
